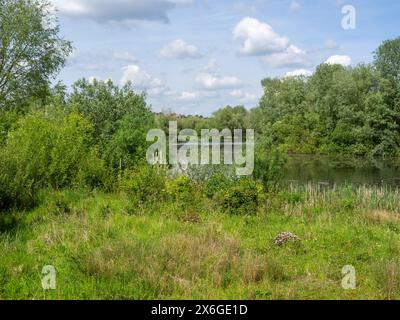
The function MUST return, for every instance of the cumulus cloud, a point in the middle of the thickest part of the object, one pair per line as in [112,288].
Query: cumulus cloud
[298,73]
[258,38]
[291,57]
[337,59]
[142,80]
[117,10]
[214,81]
[179,49]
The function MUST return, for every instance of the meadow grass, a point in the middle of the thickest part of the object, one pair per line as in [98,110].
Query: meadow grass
[103,246]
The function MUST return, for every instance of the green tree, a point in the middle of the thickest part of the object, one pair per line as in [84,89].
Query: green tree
[31,50]
[120,117]
[230,118]
[387,60]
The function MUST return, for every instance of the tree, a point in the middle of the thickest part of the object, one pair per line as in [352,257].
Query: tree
[31,50]
[120,117]
[387,60]
[230,118]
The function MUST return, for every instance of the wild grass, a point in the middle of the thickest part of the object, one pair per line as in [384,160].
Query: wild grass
[105,246]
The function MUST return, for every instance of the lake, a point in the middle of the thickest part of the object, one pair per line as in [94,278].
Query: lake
[302,169]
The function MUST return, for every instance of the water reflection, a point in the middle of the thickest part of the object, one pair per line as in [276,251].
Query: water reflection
[334,170]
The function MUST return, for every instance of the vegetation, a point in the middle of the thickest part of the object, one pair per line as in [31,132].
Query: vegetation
[76,193]
[31,51]
[104,246]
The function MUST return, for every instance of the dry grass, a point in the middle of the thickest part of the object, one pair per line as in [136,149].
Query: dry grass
[184,263]
[382,216]
[389,279]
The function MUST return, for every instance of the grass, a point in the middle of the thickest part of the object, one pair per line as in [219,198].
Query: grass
[103,247]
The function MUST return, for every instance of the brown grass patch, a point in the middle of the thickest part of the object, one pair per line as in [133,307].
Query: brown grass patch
[382,216]
[184,263]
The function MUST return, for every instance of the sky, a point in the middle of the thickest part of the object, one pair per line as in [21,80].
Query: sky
[196,56]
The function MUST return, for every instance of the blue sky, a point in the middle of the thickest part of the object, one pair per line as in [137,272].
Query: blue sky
[195,56]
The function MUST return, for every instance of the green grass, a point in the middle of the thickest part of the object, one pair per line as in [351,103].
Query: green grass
[103,247]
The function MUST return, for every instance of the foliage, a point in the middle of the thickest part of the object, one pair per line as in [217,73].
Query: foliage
[230,118]
[180,188]
[337,110]
[144,184]
[242,198]
[216,183]
[47,152]
[268,167]
[31,51]
[120,118]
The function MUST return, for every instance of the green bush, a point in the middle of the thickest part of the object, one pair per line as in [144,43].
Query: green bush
[181,189]
[144,184]
[292,197]
[45,151]
[268,167]
[216,183]
[242,198]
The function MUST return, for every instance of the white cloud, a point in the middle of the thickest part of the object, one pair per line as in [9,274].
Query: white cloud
[298,73]
[179,49]
[142,80]
[243,96]
[259,38]
[117,10]
[291,57]
[337,59]
[191,96]
[214,81]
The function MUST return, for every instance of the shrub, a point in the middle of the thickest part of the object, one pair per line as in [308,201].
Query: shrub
[181,189]
[144,184]
[216,183]
[244,197]
[268,167]
[47,152]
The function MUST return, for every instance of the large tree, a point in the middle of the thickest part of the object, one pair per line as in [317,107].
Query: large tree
[31,50]
[387,60]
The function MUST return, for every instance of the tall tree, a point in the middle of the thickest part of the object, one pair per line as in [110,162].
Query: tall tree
[31,50]
[387,60]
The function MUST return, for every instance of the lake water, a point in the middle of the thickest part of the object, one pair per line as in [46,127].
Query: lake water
[303,169]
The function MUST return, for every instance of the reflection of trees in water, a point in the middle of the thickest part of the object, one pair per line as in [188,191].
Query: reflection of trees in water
[342,170]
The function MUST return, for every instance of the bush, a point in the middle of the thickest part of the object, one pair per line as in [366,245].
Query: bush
[144,184]
[268,167]
[216,183]
[47,152]
[181,189]
[242,198]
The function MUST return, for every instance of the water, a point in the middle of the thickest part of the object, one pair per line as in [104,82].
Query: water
[302,169]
